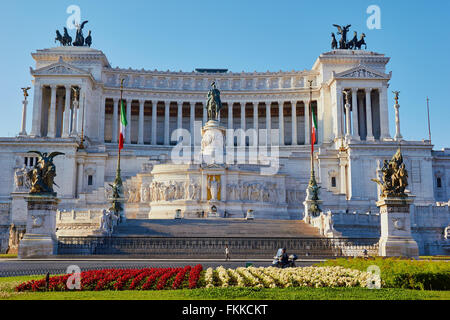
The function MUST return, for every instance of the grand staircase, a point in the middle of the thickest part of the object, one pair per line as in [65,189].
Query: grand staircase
[217,228]
[206,239]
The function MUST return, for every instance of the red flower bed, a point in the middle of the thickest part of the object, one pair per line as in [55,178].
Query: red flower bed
[122,279]
[194,276]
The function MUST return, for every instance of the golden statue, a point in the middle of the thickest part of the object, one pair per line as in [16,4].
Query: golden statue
[395,177]
[43,173]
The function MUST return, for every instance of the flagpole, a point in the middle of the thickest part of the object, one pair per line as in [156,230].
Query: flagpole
[117,186]
[118,178]
[428,112]
[310,127]
[312,197]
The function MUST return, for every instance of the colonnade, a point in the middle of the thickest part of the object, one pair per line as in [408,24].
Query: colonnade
[243,108]
[56,112]
[365,115]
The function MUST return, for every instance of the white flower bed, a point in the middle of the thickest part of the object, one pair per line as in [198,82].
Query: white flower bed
[290,277]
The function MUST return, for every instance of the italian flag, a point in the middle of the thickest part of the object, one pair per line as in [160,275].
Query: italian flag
[313,130]
[123,124]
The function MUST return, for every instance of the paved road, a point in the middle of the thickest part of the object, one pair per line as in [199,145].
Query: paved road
[15,267]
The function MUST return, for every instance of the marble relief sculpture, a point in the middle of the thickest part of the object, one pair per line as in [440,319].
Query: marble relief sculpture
[21,179]
[257,192]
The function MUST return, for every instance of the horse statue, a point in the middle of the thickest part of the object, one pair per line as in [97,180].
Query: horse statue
[352,43]
[88,39]
[43,173]
[361,42]
[79,38]
[59,38]
[334,44]
[67,38]
[214,104]
[343,30]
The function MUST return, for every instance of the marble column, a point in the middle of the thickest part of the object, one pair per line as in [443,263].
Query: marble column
[80,119]
[230,115]
[339,113]
[179,114]
[102,118]
[23,128]
[115,132]
[80,178]
[66,126]
[294,122]
[141,122]
[307,124]
[348,129]
[205,115]
[398,135]
[355,114]
[74,131]
[59,116]
[370,136]
[128,128]
[269,122]
[52,114]
[166,123]
[154,121]
[192,120]
[243,116]
[179,119]
[281,121]
[37,111]
[255,121]
[384,114]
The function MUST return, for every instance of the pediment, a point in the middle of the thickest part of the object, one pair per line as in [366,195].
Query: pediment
[362,72]
[59,68]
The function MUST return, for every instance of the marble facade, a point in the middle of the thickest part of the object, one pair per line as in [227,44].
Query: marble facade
[352,141]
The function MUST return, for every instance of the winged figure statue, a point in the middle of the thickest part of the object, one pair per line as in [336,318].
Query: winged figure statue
[43,173]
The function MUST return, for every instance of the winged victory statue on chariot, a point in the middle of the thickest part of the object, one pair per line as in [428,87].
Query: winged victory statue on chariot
[353,44]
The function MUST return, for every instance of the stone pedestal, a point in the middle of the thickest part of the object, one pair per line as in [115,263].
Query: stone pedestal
[396,239]
[123,203]
[213,145]
[308,210]
[40,237]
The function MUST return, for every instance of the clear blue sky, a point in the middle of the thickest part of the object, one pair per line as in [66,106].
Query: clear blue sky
[241,35]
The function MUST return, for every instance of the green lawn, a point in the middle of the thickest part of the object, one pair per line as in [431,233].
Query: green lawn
[7,293]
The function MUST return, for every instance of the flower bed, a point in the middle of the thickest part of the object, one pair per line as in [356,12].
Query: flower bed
[284,278]
[183,278]
[123,279]
[402,273]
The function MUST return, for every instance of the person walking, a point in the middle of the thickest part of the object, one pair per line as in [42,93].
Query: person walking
[227,253]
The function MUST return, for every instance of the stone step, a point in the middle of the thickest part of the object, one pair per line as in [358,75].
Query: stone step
[217,228]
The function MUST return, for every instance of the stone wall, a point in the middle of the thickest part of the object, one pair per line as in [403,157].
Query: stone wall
[427,226]
[78,223]
[4,226]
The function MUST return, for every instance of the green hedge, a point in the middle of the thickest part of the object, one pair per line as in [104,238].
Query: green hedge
[402,273]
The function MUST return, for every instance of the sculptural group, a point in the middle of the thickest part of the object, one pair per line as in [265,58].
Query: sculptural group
[43,173]
[394,177]
[80,41]
[353,44]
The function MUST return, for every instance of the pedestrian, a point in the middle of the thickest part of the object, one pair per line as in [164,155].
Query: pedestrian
[227,253]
